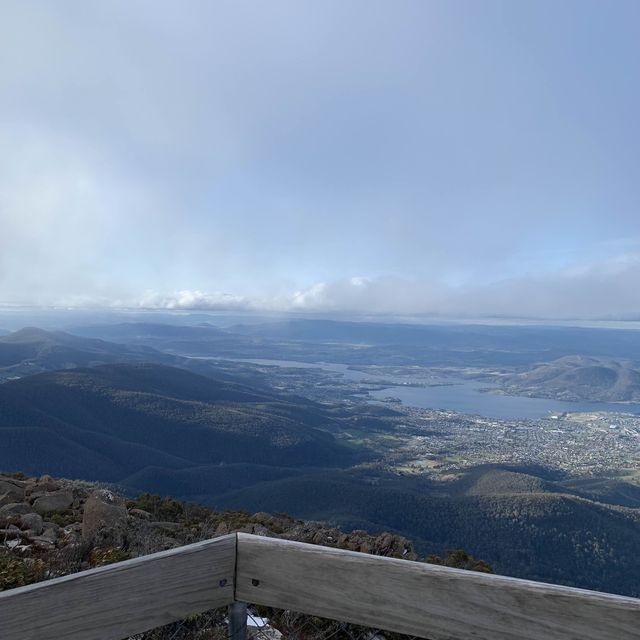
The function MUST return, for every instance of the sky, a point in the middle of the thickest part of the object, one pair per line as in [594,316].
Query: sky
[458,158]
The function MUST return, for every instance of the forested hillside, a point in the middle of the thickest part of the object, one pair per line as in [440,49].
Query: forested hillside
[229,439]
[109,422]
[524,526]
[32,350]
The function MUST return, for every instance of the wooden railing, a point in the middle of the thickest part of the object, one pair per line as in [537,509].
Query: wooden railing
[113,602]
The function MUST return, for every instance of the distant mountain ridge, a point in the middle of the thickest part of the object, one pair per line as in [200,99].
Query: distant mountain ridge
[578,378]
[199,340]
[377,343]
[32,350]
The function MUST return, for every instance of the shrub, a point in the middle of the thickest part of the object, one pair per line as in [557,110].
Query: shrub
[17,572]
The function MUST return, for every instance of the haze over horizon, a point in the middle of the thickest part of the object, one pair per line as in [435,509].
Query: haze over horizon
[441,158]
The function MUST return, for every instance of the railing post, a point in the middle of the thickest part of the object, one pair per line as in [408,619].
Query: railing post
[238,621]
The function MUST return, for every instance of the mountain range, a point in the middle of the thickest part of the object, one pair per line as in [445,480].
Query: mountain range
[136,421]
[373,343]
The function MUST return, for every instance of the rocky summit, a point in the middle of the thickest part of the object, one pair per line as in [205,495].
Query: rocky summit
[51,526]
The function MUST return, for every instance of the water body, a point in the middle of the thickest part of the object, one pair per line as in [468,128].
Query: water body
[463,396]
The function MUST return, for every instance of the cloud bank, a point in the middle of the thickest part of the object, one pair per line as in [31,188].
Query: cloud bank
[335,157]
[604,291]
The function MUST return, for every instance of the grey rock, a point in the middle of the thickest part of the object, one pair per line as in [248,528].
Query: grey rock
[42,485]
[104,512]
[56,501]
[11,490]
[12,510]
[43,542]
[33,522]
[51,534]
[5,481]
[275,523]
[11,496]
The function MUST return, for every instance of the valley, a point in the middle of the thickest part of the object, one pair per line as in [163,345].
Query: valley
[182,410]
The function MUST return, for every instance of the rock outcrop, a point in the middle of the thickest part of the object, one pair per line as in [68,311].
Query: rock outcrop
[41,513]
[49,502]
[105,514]
[68,526]
[11,490]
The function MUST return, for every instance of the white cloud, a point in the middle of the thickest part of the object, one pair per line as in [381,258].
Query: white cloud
[606,290]
[195,300]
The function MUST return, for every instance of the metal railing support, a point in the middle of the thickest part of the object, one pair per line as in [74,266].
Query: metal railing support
[238,621]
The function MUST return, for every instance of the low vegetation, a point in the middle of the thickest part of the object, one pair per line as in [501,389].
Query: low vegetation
[151,523]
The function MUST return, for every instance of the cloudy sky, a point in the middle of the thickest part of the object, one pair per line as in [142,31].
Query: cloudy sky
[457,158]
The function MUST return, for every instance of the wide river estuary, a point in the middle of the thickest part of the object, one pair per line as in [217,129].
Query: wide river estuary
[463,396]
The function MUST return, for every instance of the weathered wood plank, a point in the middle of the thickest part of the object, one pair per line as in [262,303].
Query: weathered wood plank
[113,602]
[424,600]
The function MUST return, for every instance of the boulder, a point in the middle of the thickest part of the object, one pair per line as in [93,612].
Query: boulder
[33,522]
[104,513]
[42,485]
[326,537]
[57,501]
[51,533]
[6,481]
[388,544]
[11,490]
[43,542]
[277,524]
[13,511]
[10,496]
